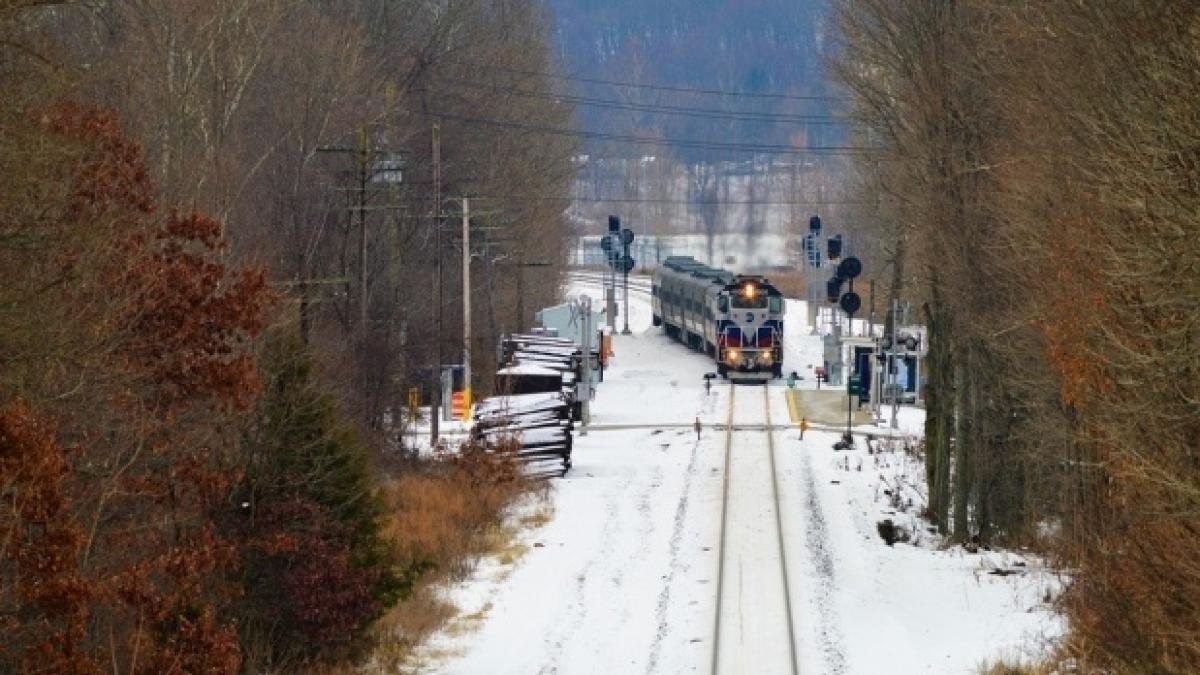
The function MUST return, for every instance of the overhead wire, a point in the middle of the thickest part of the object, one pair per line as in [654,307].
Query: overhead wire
[679,202]
[695,144]
[652,87]
[657,108]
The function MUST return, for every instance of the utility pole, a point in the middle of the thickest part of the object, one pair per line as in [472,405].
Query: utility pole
[466,265]
[363,167]
[520,296]
[435,407]
[892,365]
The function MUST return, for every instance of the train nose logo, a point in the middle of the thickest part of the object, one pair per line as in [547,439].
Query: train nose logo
[749,317]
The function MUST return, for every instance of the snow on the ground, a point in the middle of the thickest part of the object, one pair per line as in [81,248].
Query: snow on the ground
[622,578]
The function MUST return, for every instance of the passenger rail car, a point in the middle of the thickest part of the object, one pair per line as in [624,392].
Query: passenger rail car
[736,319]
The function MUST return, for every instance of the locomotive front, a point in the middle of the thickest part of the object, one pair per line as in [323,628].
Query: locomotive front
[749,326]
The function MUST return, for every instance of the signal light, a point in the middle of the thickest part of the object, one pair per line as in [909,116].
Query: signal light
[835,247]
[833,289]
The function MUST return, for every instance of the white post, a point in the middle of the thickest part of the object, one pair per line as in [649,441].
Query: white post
[466,264]
[585,390]
[892,361]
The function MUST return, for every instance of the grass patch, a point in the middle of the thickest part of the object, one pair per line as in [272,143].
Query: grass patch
[538,518]
[448,514]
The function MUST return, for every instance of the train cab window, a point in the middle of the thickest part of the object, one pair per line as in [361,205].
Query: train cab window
[749,296]
[723,304]
[775,305]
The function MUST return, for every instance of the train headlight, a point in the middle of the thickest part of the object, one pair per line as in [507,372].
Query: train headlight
[732,355]
[749,291]
[766,358]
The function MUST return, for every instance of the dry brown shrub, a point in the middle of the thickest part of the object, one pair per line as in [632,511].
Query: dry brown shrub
[445,513]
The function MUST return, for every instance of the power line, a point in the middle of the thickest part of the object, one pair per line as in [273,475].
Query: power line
[681,202]
[652,87]
[763,148]
[686,111]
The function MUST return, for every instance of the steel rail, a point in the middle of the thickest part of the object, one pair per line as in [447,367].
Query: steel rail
[783,569]
[639,285]
[716,652]
[768,429]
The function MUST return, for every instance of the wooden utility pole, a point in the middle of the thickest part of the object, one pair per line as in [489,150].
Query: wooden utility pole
[435,407]
[466,271]
[363,169]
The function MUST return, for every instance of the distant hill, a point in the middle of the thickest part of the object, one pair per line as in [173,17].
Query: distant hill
[766,47]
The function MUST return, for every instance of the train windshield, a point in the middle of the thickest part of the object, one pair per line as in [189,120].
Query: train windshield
[749,296]
[776,305]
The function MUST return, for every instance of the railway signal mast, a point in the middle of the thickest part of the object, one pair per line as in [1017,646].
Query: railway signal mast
[626,265]
[617,260]
[850,302]
[610,289]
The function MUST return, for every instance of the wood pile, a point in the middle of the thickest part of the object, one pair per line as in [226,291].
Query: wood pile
[539,378]
[521,354]
[539,422]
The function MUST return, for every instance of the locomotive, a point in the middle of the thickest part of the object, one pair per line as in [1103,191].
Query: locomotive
[735,319]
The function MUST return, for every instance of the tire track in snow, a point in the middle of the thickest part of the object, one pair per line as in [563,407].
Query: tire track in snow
[577,608]
[636,491]
[664,596]
[817,538]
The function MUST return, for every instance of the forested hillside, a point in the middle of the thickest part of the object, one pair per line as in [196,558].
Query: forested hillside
[767,49]
[228,251]
[1039,175]
[745,133]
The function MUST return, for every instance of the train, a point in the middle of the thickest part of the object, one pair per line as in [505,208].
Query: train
[737,319]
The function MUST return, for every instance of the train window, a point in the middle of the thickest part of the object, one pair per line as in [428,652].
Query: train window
[743,301]
[776,305]
[749,295]
[723,304]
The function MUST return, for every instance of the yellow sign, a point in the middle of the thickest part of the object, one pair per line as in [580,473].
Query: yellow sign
[414,401]
[461,404]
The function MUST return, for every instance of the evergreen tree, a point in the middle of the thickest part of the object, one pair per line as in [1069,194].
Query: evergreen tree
[316,568]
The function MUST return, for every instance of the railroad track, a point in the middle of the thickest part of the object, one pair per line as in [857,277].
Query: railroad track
[638,285]
[753,629]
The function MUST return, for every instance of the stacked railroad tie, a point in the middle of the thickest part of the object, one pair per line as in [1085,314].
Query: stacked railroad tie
[539,404]
[539,424]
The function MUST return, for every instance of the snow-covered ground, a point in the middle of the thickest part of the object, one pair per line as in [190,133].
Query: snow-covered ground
[623,576]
